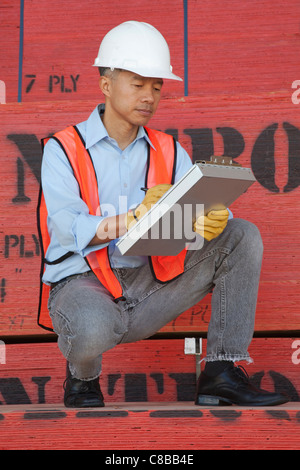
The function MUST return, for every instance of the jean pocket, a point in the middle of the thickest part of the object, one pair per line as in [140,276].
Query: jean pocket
[54,291]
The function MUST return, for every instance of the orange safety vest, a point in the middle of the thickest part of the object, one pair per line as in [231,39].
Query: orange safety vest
[160,169]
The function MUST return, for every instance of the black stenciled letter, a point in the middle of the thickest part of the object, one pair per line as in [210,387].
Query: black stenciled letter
[293,134]
[30,148]
[203,145]
[263,161]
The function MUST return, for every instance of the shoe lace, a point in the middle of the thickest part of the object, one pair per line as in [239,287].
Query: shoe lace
[242,373]
[90,386]
[65,384]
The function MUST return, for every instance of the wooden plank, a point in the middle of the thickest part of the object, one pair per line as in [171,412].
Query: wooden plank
[241,57]
[243,128]
[66,53]
[9,47]
[152,427]
[147,371]
[236,48]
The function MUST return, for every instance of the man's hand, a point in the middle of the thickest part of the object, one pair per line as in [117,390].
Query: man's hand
[211,225]
[152,196]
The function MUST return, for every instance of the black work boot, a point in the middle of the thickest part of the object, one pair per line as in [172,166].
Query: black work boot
[82,393]
[232,387]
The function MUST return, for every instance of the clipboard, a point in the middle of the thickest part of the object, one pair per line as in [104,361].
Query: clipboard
[166,228]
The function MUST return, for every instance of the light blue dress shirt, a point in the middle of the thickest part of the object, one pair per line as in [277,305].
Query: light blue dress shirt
[120,175]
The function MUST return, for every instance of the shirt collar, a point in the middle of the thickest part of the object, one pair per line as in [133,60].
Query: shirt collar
[95,130]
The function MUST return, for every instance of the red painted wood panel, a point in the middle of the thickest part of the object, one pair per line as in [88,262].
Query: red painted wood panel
[153,428]
[74,33]
[148,388]
[237,47]
[9,47]
[62,41]
[242,47]
[147,371]
[260,131]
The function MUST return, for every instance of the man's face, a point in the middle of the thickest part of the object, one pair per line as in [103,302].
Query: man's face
[133,98]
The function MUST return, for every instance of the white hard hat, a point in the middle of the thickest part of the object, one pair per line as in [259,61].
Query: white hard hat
[136,47]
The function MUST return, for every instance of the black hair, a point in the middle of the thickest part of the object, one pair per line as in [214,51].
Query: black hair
[107,71]
[103,70]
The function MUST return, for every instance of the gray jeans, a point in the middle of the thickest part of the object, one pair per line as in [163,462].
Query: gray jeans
[88,322]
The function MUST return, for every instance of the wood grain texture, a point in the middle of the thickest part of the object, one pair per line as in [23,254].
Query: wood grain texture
[147,371]
[148,388]
[150,427]
[241,47]
[240,127]
[239,63]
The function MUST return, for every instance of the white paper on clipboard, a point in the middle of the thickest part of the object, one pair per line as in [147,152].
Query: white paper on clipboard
[167,227]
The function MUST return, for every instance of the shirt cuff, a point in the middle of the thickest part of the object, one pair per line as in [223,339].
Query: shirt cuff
[84,230]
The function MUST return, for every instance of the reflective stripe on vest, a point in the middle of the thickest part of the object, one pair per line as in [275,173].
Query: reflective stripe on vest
[160,169]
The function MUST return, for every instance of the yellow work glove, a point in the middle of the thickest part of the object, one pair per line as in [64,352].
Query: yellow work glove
[211,225]
[152,196]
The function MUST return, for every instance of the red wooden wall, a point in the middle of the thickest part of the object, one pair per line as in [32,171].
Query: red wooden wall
[150,370]
[236,48]
[239,61]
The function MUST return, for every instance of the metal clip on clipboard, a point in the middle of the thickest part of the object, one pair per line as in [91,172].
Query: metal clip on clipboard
[218,160]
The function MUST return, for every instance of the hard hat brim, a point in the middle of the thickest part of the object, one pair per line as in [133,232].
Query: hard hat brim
[165,75]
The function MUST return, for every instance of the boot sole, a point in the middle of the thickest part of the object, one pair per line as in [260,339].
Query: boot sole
[84,405]
[210,400]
